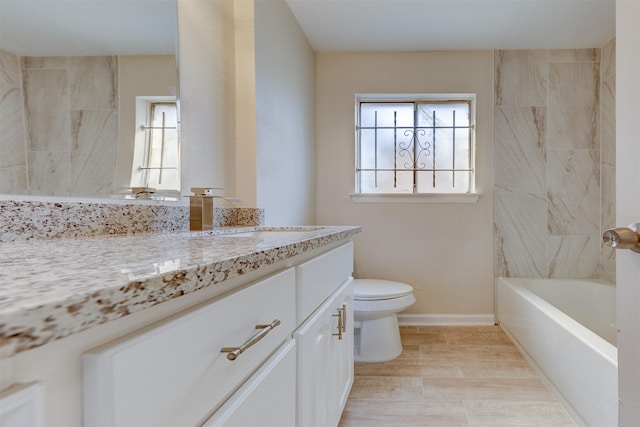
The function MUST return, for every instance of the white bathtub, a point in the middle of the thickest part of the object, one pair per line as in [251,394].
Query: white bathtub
[566,328]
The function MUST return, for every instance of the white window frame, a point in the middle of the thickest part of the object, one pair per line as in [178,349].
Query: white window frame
[469,197]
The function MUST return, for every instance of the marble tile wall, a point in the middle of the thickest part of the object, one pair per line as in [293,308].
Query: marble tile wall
[13,159]
[60,111]
[553,159]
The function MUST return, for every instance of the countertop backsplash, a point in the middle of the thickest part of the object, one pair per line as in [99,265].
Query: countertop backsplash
[44,219]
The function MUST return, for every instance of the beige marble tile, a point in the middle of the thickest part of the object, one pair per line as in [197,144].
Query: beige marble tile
[13,139]
[515,413]
[93,154]
[407,413]
[520,149]
[386,388]
[44,62]
[49,172]
[529,389]
[47,110]
[521,77]
[573,109]
[574,257]
[608,59]
[573,192]
[10,69]
[521,235]
[93,82]
[13,180]
[574,55]
[608,121]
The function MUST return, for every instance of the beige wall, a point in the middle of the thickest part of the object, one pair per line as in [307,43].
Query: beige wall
[247,102]
[443,250]
[138,76]
[285,117]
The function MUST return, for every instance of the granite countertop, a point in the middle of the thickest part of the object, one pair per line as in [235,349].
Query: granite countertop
[53,288]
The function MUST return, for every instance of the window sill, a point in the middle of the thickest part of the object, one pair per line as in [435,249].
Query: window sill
[415,198]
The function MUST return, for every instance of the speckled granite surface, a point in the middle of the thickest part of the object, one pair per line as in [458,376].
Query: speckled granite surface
[53,288]
[43,219]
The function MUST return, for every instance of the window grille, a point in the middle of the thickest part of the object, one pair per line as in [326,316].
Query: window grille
[157,151]
[414,147]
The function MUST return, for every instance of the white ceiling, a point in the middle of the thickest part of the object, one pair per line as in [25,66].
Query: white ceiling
[88,27]
[106,27]
[410,25]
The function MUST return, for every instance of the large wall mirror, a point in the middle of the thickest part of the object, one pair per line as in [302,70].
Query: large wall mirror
[89,97]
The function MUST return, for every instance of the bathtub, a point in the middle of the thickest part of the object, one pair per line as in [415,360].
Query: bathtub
[566,330]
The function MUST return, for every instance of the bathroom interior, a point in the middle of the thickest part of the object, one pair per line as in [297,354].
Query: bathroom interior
[265,115]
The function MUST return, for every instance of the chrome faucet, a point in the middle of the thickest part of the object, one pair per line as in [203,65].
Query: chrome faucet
[201,207]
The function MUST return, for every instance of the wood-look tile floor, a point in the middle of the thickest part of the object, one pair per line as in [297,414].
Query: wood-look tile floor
[452,376]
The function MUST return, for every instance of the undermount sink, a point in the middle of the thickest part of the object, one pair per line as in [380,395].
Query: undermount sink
[274,232]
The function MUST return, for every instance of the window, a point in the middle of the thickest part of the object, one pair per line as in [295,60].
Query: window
[422,145]
[156,156]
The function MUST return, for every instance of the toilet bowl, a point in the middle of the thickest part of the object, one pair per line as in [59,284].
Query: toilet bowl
[375,307]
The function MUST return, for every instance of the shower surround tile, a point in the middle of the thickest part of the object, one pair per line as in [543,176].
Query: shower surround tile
[93,82]
[47,109]
[13,160]
[574,192]
[49,172]
[521,235]
[576,257]
[574,55]
[521,77]
[93,154]
[574,93]
[520,149]
[608,121]
[554,162]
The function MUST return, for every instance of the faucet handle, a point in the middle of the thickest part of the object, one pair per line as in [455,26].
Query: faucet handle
[204,191]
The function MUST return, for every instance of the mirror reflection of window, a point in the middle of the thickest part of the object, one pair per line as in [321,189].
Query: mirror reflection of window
[156,157]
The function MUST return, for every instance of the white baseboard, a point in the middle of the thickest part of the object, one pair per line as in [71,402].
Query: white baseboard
[446,319]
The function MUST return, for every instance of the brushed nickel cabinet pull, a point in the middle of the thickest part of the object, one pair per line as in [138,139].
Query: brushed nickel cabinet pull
[234,352]
[341,327]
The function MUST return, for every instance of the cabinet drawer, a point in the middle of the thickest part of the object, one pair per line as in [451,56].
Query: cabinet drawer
[319,277]
[174,373]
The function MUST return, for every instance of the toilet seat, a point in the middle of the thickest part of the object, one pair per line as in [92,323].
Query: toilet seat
[376,290]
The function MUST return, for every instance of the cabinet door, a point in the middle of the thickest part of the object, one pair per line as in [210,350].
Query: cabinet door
[267,399]
[343,349]
[325,371]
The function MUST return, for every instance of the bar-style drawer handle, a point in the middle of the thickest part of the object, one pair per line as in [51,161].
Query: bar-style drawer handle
[234,352]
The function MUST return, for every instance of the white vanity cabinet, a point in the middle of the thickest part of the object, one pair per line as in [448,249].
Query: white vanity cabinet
[325,338]
[164,365]
[175,374]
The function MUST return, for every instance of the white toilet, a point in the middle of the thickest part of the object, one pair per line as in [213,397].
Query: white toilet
[375,307]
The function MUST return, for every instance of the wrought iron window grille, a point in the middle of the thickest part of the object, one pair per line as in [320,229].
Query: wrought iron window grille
[415,147]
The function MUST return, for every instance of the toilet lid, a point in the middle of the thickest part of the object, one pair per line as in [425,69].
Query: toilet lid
[373,289]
